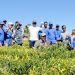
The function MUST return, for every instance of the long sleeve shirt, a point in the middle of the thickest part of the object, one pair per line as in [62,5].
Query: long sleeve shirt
[1,34]
[73,41]
[50,36]
[58,34]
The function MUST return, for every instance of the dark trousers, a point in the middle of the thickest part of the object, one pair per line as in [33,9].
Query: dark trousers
[31,43]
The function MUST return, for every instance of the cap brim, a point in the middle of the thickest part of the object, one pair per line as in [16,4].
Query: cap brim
[1,24]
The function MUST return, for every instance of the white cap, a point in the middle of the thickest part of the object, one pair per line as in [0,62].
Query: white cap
[10,23]
[43,34]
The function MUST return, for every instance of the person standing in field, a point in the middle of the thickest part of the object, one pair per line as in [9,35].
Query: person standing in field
[72,45]
[17,35]
[58,33]
[33,30]
[50,35]
[43,28]
[4,28]
[9,33]
[1,33]
[65,36]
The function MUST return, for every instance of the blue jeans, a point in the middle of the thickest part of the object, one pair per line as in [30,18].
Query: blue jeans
[9,42]
[31,43]
[2,43]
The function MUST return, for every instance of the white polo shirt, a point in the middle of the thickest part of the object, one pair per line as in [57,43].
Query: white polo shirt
[64,36]
[34,33]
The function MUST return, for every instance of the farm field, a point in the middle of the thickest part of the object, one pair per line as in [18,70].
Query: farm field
[21,60]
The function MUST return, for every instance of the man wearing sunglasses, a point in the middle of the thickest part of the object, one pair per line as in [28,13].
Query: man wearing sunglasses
[65,36]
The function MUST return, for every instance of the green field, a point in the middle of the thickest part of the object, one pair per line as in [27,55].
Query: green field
[54,60]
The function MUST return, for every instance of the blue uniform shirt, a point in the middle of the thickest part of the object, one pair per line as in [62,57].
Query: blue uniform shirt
[73,43]
[9,34]
[42,31]
[58,34]
[50,36]
[45,30]
[1,36]
[9,37]
[5,34]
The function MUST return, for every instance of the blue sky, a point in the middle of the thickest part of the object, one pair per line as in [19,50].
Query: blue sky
[54,11]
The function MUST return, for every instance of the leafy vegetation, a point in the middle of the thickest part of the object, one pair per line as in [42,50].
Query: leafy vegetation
[54,60]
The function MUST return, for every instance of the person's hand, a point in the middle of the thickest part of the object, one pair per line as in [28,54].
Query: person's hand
[7,30]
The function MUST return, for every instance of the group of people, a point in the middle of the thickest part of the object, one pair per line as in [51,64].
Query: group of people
[11,34]
[47,35]
[39,35]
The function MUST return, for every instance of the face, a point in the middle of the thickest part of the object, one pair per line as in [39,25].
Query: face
[1,26]
[10,26]
[34,25]
[51,26]
[43,38]
[73,32]
[45,25]
[64,29]
[57,28]
[18,26]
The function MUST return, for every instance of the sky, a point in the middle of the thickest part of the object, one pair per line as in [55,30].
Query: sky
[54,11]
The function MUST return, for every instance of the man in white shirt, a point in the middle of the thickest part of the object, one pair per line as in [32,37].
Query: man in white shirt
[65,36]
[33,34]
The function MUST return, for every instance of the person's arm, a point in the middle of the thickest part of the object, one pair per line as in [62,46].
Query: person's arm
[36,44]
[13,35]
[47,35]
[61,37]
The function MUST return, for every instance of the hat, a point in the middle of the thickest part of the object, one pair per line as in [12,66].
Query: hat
[43,34]
[50,24]
[4,20]
[57,25]
[18,24]
[1,23]
[34,22]
[10,23]
[64,26]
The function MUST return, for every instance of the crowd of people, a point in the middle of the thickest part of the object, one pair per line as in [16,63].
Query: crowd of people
[11,34]
[39,36]
[47,35]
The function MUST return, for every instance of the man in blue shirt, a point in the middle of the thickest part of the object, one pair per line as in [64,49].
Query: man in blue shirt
[4,28]
[1,33]
[9,32]
[44,29]
[58,33]
[50,34]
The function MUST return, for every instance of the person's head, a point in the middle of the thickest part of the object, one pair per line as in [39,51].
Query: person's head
[64,28]
[5,21]
[73,32]
[34,23]
[17,22]
[50,26]
[57,27]
[45,24]
[1,24]
[10,25]
[43,36]
[18,26]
